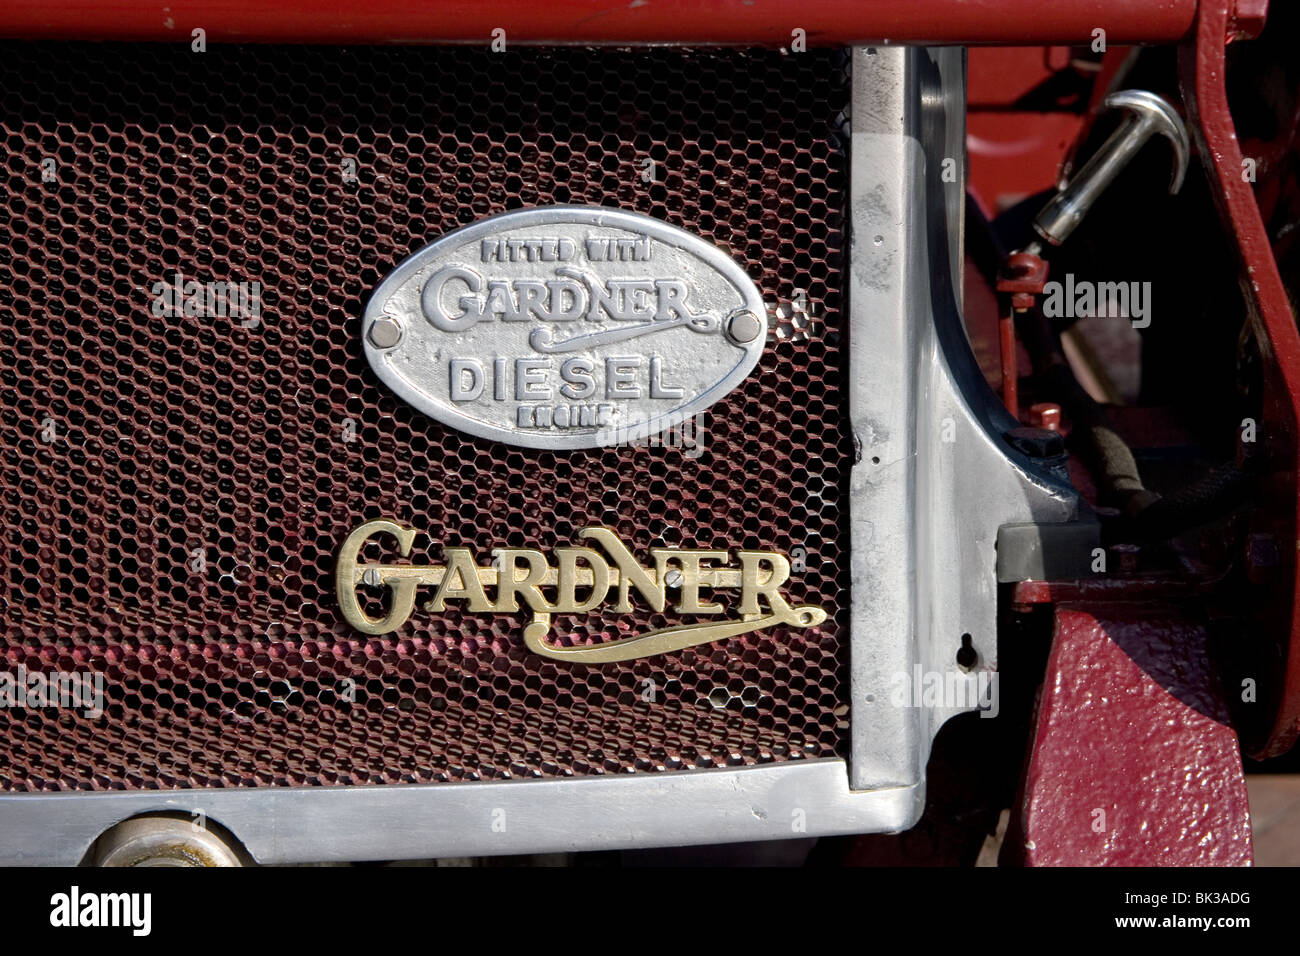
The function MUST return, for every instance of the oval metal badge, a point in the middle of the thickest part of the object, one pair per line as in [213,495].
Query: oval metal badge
[565,327]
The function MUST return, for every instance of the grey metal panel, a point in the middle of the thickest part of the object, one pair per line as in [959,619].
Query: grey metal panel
[885,182]
[284,825]
[1048,552]
[934,478]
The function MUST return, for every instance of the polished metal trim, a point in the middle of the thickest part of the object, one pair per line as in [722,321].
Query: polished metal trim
[323,824]
[934,479]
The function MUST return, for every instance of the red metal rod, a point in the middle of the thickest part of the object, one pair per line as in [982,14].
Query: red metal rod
[1010,375]
[714,22]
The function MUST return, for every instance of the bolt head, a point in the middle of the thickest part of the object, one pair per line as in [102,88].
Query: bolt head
[744,327]
[1045,415]
[1036,442]
[1246,19]
[385,332]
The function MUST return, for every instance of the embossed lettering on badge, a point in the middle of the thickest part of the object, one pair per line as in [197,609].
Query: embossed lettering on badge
[565,327]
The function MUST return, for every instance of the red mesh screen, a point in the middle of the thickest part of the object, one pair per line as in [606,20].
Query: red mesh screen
[131,444]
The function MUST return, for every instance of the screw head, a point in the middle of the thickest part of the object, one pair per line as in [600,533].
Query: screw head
[385,332]
[744,327]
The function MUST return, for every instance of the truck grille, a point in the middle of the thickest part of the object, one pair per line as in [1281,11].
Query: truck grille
[173,489]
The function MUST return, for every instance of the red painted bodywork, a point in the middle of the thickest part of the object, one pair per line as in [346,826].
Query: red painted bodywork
[1015,151]
[1133,761]
[1016,145]
[1203,70]
[1015,155]
[757,22]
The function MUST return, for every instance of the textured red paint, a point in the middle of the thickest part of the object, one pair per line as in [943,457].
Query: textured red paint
[1131,722]
[763,22]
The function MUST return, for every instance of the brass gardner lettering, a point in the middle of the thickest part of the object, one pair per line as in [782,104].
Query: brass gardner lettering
[630,573]
[522,577]
[689,563]
[510,584]
[460,582]
[346,577]
[752,565]
[565,600]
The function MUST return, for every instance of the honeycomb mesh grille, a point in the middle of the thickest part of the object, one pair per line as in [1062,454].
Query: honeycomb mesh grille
[173,490]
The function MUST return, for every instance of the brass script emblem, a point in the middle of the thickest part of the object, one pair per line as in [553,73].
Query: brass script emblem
[580,580]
